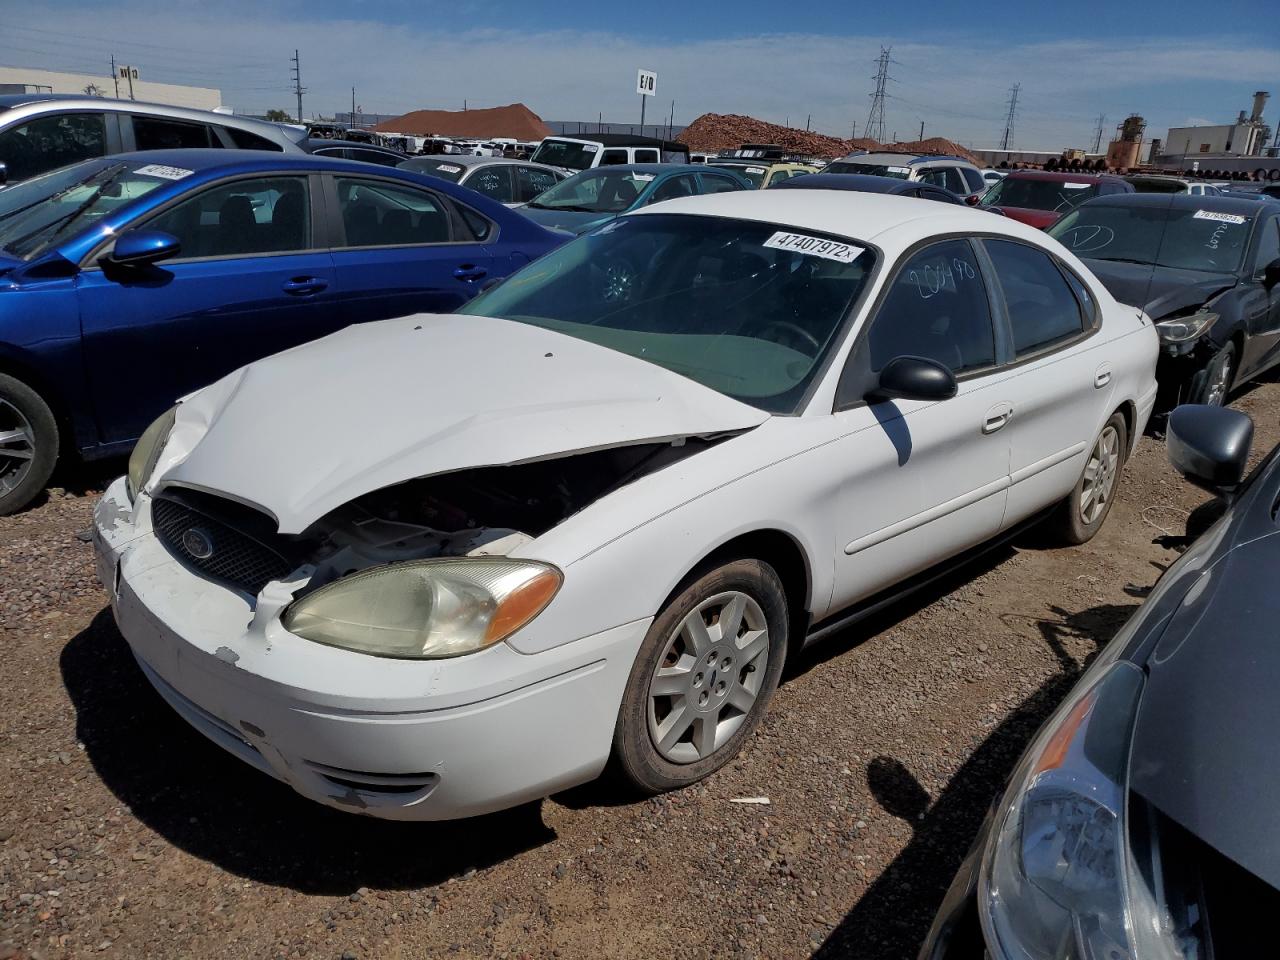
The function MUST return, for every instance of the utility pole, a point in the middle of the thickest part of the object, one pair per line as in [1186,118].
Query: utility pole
[353,106]
[875,119]
[853,130]
[808,120]
[1013,111]
[115,76]
[921,129]
[298,88]
[1097,137]
[671,120]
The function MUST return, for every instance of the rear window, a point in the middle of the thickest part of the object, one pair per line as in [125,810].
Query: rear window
[1054,195]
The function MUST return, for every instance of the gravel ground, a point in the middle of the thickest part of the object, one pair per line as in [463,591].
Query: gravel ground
[125,834]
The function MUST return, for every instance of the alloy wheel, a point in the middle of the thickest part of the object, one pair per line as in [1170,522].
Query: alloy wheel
[1100,475]
[709,677]
[1219,377]
[17,446]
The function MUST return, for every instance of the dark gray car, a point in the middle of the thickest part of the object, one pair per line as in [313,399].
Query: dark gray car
[1141,820]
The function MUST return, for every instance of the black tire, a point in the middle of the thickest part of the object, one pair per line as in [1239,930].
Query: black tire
[637,755]
[1070,520]
[22,480]
[1213,384]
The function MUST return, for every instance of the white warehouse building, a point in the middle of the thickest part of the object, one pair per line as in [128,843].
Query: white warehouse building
[30,80]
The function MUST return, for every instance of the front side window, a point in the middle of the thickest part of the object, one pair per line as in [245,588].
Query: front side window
[1042,309]
[714,184]
[613,158]
[1268,244]
[1026,194]
[685,185]
[746,308]
[161,133]
[647,156]
[493,181]
[532,183]
[754,174]
[242,218]
[1183,238]
[376,213]
[936,308]
[46,143]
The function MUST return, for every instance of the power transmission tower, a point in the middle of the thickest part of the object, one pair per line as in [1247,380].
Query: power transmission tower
[1013,111]
[1097,136]
[874,127]
[298,88]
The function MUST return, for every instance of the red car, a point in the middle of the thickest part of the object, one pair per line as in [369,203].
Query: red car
[1039,197]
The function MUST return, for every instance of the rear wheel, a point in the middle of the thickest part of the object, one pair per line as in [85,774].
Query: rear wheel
[1081,515]
[28,444]
[703,678]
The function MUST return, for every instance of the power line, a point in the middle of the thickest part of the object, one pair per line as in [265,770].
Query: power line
[874,127]
[1013,112]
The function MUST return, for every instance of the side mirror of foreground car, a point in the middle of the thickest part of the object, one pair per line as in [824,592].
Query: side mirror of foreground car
[4,174]
[1270,273]
[914,378]
[136,248]
[1210,446]
[973,199]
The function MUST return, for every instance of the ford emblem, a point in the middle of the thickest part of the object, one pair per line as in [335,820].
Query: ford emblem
[198,544]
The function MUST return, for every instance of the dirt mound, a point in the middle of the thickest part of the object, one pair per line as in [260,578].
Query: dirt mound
[934,145]
[515,120]
[723,131]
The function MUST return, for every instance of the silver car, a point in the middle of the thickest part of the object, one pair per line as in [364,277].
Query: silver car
[512,182]
[41,132]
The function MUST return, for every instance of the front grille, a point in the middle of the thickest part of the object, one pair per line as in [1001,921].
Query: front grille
[215,548]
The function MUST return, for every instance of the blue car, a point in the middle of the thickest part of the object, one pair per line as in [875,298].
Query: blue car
[866,183]
[129,281]
[593,197]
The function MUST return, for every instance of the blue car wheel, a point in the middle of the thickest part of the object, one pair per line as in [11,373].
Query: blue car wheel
[28,444]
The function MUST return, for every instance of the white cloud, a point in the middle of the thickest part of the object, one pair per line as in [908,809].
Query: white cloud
[958,87]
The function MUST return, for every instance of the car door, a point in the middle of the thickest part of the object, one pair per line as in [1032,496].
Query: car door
[1060,384]
[401,249]
[1261,304]
[250,281]
[923,480]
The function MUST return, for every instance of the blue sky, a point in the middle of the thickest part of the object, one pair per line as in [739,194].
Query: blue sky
[573,59]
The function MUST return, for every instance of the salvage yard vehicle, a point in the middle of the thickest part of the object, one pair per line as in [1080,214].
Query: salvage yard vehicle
[1205,269]
[354,150]
[41,132]
[1140,822]
[950,173]
[601,522]
[506,181]
[868,184]
[1039,197]
[595,197]
[586,151]
[1159,183]
[764,173]
[128,281]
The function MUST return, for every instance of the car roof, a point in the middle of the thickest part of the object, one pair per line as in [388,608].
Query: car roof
[646,168]
[890,158]
[465,159]
[747,162]
[619,140]
[1179,201]
[287,132]
[864,182]
[319,143]
[1059,177]
[204,159]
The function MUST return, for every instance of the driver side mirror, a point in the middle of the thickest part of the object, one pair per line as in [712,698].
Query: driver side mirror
[914,378]
[973,199]
[1210,446]
[1271,274]
[138,248]
[4,173]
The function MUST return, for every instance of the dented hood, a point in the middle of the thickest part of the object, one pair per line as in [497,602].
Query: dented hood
[1159,291]
[301,433]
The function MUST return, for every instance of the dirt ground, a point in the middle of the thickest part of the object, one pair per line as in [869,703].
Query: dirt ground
[125,834]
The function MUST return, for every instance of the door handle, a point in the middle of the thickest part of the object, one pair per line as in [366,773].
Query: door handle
[304,286]
[469,271]
[997,417]
[1102,376]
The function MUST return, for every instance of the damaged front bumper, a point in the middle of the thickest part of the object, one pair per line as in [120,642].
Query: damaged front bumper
[399,739]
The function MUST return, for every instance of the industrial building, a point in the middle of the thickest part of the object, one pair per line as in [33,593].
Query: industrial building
[128,84]
[1245,137]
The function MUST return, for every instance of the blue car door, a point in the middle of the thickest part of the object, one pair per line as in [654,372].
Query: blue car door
[249,281]
[401,249]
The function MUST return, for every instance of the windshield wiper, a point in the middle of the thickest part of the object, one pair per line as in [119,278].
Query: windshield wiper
[1145,263]
[565,206]
[71,216]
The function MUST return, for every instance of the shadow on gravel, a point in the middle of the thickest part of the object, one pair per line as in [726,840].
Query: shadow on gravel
[893,916]
[214,807]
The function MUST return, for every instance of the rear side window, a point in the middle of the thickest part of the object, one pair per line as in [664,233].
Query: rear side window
[612,158]
[373,156]
[376,213]
[647,156]
[937,308]
[974,180]
[46,143]
[531,182]
[1042,309]
[251,141]
[492,181]
[160,133]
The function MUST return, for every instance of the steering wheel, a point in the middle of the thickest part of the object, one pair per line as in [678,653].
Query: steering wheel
[795,332]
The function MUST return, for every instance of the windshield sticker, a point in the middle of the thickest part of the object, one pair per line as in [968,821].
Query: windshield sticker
[448,168]
[1077,186]
[755,169]
[643,177]
[1220,217]
[814,246]
[163,172]
[590,148]
[898,169]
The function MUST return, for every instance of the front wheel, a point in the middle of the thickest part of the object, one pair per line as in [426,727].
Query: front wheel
[703,677]
[28,444]
[1081,515]
[1212,384]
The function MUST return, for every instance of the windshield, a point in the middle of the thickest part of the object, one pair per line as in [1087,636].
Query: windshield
[1185,239]
[755,174]
[563,153]
[870,169]
[1054,195]
[37,213]
[434,167]
[748,309]
[605,191]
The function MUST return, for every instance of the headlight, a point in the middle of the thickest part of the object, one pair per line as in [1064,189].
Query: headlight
[146,452]
[1060,880]
[426,609]
[1182,329]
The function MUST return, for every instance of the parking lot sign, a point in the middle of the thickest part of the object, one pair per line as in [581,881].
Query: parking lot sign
[647,83]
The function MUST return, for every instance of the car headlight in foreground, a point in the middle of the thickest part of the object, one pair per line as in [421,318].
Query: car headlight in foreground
[146,452]
[1066,876]
[1182,329]
[425,609]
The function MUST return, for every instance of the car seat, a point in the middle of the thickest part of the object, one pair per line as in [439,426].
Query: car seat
[237,227]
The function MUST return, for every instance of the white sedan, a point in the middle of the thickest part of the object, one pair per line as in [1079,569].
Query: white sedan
[438,566]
